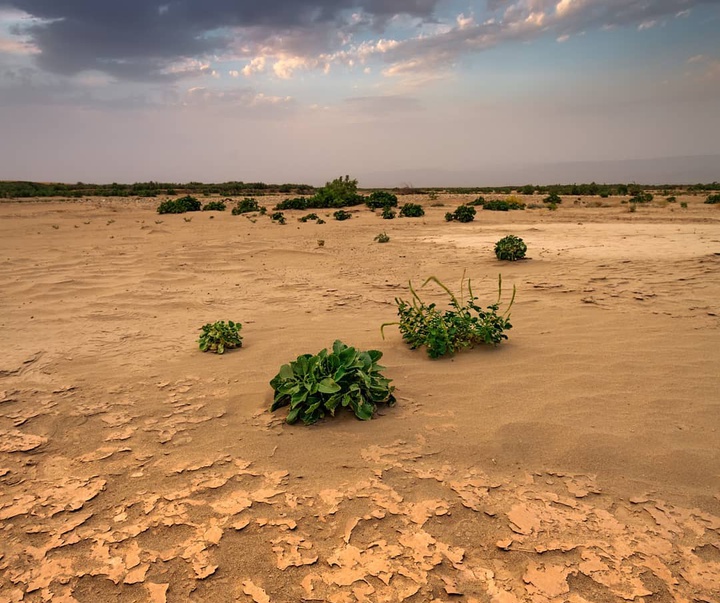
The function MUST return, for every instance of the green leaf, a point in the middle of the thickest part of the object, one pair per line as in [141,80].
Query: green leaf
[328,386]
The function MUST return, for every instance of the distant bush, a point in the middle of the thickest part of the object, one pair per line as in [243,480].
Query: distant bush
[552,198]
[528,189]
[510,248]
[245,206]
[713,199]
[683,204]
[214,206]
[179,206]
[500,205]
[341,192]
[278,217]
[478,201]
[411,210]
[671,199]
[341,215]
[464,213]
[388,213]
[642,197]
[295,203]
[308,217]
[382,238]
[378,199]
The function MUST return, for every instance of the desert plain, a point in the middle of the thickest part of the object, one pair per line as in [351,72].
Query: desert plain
[578,461]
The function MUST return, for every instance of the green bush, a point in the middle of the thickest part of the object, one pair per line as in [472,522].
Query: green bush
[315,386]
[642,197]
[552,198]
[713,199]
[464,325]
[411,210]
[214,206]
[464,213]
[295,203]
[683,204]
[245,206]
[671,199]
[478,201]
[510,248]
[382,238]
[308,217]
[278,217]
[378,199]
[387,213]
[179,206]
[341,192]
[500,205]
[341,215]
[219,336]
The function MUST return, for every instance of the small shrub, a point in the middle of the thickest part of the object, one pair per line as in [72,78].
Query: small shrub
[464,325]
[464,213]
[187,219]
[179,206]
[214,206]
[295,203]
[671,199]
[432,195]
[411,210]
[382,238]
[552,206]
[321,243]
[713,199]
[553,198]
[632,207]
[308,217]
[510,248]
[478,201]
[388,213]
[500,205]
[219,336]
[319,385]
[683,204]
[278,217]
[341,215]
[378,199]
[245,206]
[604,194]
[642,197]
[320,221]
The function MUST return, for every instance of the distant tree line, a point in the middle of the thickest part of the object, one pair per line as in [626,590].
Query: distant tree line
[20,189]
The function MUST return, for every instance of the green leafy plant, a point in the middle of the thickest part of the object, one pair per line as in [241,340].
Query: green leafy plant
[382,238]
[500,205]
[412,210]
[245,206]
[478,201]
[671,199]
[179,206]
[642,197]
[308,217]
[319,385]
[341,215]
[278,217]
[464,213]
[295,203]
[378,199]
[713,199]
[510,248]
[214,206]
[683,204]
[388,213]
[219,336]
[444,332]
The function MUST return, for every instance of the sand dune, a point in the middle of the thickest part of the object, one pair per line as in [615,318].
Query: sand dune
[579,461]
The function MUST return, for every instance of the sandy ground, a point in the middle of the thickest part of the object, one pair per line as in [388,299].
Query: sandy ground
[579,461]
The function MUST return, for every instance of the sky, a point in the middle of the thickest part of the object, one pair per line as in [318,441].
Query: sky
[307,90]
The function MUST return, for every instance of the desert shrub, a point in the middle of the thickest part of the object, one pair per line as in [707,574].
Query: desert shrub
[245,206]
[642,197]
[382,238]
[214,206]
[316,386]
[604,194]
[219,336]
[341,192]
[632,207]
[278,217]
[464,213]
[671,199]
[478,201]
[411,210]
[444,332]
[713,199]
[500,205]
[552,198]
[388,213]
[341,215]
[535,206]
[179,206]
[510,248]
[378,199]
[295,203]
[433,195]
[683,204]
[308,217]
[528,189]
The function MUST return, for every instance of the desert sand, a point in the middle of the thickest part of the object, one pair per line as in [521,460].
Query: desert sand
[578,461]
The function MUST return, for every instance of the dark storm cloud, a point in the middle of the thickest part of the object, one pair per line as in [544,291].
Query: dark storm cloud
[138,39]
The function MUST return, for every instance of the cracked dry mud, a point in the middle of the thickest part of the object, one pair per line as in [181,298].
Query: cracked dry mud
[577,462]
